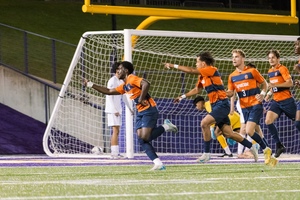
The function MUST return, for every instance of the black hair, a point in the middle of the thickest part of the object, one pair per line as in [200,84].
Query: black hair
[115,67]
[197,99]
[206,57]
[128,65]
[251,65]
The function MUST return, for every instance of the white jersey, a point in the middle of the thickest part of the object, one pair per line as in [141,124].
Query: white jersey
[113,102]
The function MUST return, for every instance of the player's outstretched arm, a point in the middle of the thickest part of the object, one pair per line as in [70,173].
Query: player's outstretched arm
[101,89]
[188,70]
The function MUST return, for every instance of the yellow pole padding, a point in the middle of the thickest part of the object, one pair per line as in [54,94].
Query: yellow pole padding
[192,14]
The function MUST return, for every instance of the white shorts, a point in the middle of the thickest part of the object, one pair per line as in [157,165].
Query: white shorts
[113,120]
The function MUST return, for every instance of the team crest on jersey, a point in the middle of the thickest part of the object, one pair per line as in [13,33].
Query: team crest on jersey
[203,82]
[246,76]
[128,87]
[276,74]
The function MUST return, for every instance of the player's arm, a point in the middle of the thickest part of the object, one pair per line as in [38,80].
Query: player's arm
[232,101]
[145,85]
[190,93]
[188,70]
[264,88]
[101,89]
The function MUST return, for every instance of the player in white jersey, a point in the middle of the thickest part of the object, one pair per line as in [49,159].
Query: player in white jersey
[113,109]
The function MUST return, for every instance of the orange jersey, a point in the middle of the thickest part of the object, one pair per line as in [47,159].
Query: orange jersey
[278,75]
[210,80]
[132,86]
[245,83]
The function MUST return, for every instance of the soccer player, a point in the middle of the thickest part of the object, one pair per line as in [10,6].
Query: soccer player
[245,81]
[242,151]
[147,114]
[297,82]
[282,99]
[234,118]
[113,108]
[210,80]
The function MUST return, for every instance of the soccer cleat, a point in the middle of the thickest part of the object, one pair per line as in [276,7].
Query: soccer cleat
[273,162]
[158,168]
[204,158]
[171,126]
[254,151]
[225,155]
[267,153]
[280,148]
[114,157]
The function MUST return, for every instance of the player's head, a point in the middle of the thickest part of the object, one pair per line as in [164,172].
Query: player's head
[238,57]
[199,103]
[297,46]
[125,68]
[205,57]
[128,65]
[273,57]
[251,65]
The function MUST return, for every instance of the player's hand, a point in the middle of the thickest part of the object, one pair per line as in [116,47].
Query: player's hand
[259,97]
[143,102]
[167,65]
[297,83]
[297,68]
[177,99]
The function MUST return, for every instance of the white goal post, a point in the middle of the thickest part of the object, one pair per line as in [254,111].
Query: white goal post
[78,121]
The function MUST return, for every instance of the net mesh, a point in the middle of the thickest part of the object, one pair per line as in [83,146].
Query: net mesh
[79,122]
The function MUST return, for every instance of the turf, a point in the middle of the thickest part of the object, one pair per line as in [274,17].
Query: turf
[206,181]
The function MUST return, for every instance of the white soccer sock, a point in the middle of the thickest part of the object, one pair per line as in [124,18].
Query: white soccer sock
[114,150]
[227,150]
[240,147]
[157,161]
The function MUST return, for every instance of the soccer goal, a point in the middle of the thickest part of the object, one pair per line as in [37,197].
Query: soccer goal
[78,122]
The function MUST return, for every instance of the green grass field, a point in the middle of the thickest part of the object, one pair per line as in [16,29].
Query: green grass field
[208,181]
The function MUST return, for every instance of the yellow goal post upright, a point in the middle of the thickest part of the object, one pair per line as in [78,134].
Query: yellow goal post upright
[78,122]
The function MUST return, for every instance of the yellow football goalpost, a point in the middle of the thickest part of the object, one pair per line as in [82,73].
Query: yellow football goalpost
[192,14]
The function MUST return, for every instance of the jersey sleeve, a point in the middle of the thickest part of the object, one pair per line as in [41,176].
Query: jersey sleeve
[120,88]
[285,73]
[257,76]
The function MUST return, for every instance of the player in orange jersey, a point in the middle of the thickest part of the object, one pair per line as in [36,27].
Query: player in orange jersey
[283,101]
[245,81]
[210,80]
[147,113]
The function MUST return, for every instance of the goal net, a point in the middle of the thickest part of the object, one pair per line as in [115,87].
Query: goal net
[78,122]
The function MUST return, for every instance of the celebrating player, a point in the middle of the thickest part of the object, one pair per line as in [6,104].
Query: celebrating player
[147,115]
[234,118]
[282,102]
[245,81]
[210,80]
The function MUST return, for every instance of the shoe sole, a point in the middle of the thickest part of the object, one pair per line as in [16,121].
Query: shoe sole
[273,162]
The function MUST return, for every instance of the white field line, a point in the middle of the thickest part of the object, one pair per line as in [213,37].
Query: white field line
[150,194]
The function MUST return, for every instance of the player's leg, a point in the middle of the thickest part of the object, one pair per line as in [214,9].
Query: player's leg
[222,140]
[147,131]
[297,120]
[114,121]
[205,127]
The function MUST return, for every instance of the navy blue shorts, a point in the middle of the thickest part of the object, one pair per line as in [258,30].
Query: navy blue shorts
[147,118]
[288,107]
[220,112]
[253,113]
